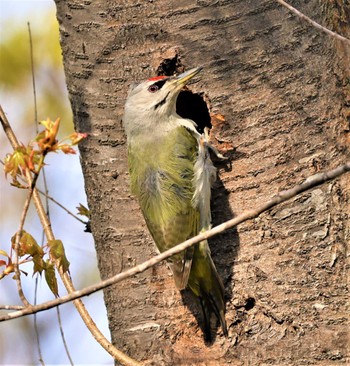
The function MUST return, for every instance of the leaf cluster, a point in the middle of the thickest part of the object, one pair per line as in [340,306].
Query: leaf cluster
[31,157]
[30,251]
[26,162]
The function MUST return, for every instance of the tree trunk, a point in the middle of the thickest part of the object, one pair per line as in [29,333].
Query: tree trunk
[283,89]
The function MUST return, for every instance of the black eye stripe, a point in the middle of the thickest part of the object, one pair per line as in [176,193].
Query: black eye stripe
[157,85]
[160,83]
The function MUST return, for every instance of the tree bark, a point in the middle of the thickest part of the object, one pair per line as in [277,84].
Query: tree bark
[283,89]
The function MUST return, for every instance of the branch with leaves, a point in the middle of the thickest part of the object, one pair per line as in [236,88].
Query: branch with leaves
[26,162]
[28,246]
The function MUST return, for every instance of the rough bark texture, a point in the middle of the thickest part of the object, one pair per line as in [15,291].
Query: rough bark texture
[283,88]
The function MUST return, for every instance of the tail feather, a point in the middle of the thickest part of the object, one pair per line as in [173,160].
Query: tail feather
[206,284]
[206,317]
[218,307]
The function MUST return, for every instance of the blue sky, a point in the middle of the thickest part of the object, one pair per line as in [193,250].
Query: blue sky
[17,338]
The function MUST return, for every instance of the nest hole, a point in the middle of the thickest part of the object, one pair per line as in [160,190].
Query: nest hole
[192,106]
[189,105]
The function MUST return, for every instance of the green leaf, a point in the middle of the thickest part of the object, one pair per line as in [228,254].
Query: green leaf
[2,252]
[50,277]
[58,254]
[27,245]
[39,264]
[83,211]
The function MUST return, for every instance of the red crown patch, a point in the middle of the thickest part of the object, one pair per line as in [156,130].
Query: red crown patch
[158,78]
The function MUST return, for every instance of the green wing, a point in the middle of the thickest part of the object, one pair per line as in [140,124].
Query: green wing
[162,172]
[162,177]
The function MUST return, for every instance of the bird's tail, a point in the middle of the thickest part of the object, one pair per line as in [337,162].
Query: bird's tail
[206,284]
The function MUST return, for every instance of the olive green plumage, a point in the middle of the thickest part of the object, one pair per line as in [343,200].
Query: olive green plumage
[161,173]
[163,156]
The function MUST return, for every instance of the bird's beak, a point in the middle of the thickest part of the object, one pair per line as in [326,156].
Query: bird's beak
[183,78]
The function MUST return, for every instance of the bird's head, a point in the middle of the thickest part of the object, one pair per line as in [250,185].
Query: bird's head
[154,100]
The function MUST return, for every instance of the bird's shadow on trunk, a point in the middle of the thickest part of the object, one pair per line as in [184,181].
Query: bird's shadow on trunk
[224,249]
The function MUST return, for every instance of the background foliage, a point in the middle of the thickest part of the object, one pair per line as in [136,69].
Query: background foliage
[65,183]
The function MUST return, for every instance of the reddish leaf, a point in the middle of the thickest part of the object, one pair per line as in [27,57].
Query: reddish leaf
[65,148]
[76,137]
[9,269]
[2,263]
[8,265]
[47,139]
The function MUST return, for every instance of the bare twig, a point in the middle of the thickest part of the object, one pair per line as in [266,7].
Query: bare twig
[16,249]
[41,359]
[63,337]
[313,23]
[8,130]
[311,182]
[33,76]
[46,224]
[60,205]
[37,336]
[11,136]
[11,307]
[45,194]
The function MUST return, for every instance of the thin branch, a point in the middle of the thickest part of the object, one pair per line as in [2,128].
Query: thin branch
[283,196]
[12,138]
[313,23]
[8,130]
[14,142]
[37,336]
[60,205]
[33,76]
[41,359]
[63,336]
[45,194]
[11,307]
[16,249]
[46,224]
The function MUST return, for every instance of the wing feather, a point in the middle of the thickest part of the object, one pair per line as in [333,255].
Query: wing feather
[163,181]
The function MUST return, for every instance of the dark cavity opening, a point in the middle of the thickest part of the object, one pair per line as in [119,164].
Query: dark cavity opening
[192,106]
[169,66]
[250,303]
[188,105]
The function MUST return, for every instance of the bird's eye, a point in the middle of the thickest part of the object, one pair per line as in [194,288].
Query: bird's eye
[153,88]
